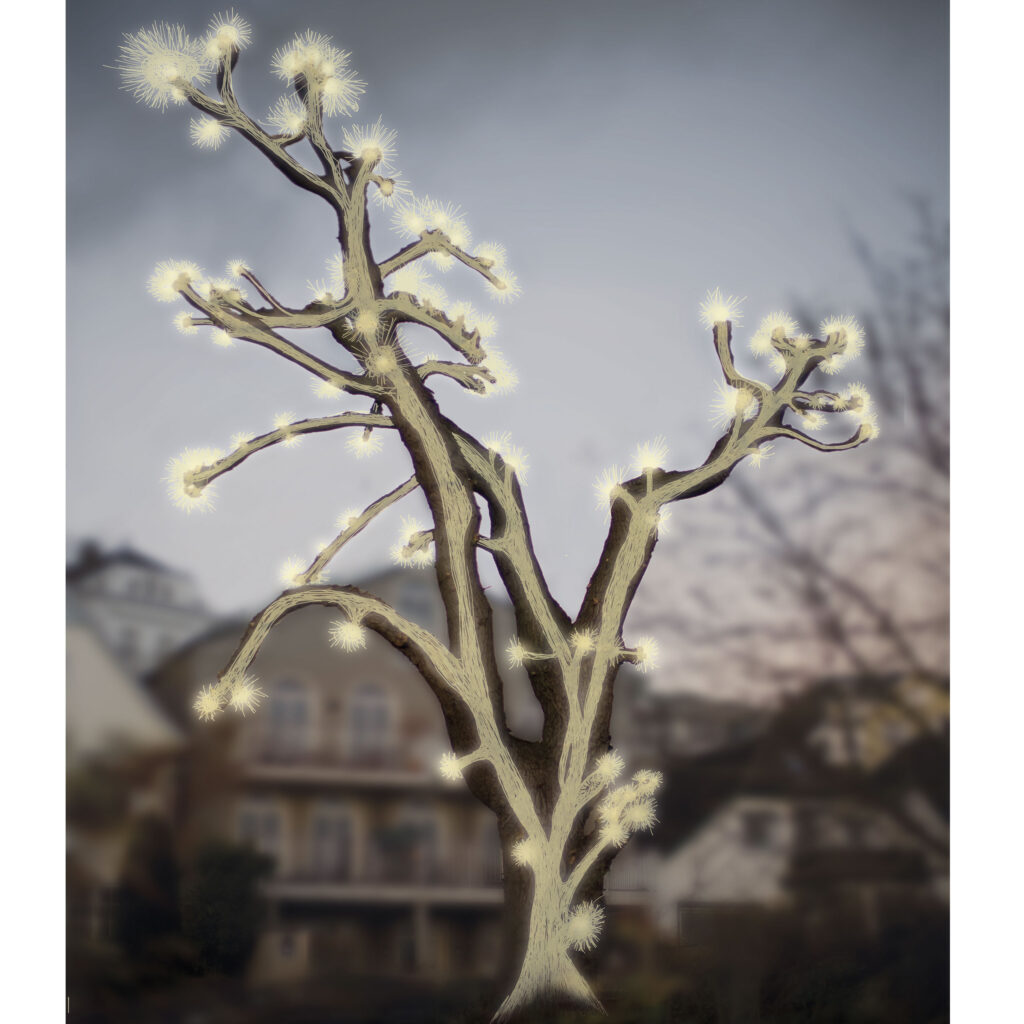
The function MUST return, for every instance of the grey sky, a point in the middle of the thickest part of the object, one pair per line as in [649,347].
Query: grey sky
[629,155]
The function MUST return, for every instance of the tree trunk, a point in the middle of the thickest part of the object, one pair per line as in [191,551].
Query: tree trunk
[544,975]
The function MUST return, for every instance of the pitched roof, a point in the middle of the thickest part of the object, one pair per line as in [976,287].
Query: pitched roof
[92,559]
[104,704]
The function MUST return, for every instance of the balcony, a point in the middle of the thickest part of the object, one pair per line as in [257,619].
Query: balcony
[472,872]
[464,881]
[318,765]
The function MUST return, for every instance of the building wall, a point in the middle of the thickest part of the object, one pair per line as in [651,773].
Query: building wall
[142,613]
[744,854]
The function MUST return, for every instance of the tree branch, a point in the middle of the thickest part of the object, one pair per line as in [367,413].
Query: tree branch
[243,326]
[357,524]
[199,478]
[472,378]
[228,112]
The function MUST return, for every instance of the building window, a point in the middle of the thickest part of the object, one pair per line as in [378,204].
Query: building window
[757,829]
[370,723]
[418,829]
[810,828]
[128,644]
[696,923]
[331,846]
[406,850]
[260,828]
[490,847]
[416,601]
[290,720]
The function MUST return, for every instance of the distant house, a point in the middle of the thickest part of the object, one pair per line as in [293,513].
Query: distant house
[121,751]
[142,609]
[840,799]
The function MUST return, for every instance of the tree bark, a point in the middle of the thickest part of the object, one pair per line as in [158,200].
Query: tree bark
[537,973]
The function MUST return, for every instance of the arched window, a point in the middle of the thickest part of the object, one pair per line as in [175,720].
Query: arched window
[370,723]
[290,720]
[331,843]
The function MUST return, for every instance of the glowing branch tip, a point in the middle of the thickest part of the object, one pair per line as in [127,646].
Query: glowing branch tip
[312,58]
[292,573]
[645,654]
[759,454]
[525,852]
[288,116]
[450,767]
[185,324]
[182,488]
[505,377]
[516,653]
[366,322]
[246,695]
[640,815]
[364,444]
[731,402]
[647,781]
[583,641]
[778,321]
[171,277]
[158,63]
[208,132]
[718,308]
[347,519]
[348,635]
[373,144]
[609,766]
[208,702]
[614,833]
[507,287]
[583,926]
[650,455]
[605,486]
[228,32]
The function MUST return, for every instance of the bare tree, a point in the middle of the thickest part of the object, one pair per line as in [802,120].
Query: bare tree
[561,815]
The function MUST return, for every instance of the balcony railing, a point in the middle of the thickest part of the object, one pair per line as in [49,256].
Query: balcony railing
[270,753]
[470,874]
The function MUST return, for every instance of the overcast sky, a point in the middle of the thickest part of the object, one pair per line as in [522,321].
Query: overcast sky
[629,155]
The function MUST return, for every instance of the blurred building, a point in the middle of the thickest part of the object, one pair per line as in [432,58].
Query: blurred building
[839,797]
[841,804]
[121,754]
[380,865]
[140,608]
[125,612]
